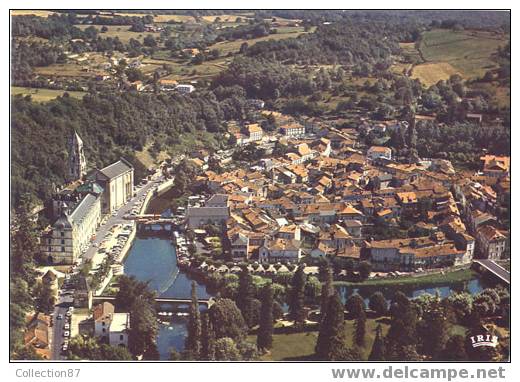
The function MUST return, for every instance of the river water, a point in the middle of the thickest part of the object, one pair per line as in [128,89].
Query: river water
[153,259]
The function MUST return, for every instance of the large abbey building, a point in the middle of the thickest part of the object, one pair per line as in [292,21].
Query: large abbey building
[79,206]
[117,181]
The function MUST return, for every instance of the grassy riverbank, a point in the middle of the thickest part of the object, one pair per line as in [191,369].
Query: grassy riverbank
[460,275]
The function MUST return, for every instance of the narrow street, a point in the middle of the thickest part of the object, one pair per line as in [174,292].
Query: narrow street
[57,329]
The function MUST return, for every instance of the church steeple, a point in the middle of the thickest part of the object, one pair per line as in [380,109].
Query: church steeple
[77,162]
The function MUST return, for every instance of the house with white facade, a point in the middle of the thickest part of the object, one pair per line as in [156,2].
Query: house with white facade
[254,132]
[491,242]
[280,250]
[292,130]
[379,152]
[185,89]
[110,326]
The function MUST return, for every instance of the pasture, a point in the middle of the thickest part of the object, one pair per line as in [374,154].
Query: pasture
[123,32]
[226,47]
[468,53]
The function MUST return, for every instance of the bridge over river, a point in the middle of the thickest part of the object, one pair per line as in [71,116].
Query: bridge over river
[161,300]
[496,270]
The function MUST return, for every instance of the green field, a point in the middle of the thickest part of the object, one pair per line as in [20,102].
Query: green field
[446,52]
[300,346]
[122,31]
[226,47]
[43,95]
[434,279]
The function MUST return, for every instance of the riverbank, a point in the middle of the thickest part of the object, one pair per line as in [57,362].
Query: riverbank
[459,275]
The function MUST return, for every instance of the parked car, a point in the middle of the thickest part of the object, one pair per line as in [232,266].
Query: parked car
[64,347]
[66,327]
[66,334]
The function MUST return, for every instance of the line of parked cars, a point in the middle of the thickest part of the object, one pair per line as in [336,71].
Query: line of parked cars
[66,327]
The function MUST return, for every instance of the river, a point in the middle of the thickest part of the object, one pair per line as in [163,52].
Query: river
[153,259]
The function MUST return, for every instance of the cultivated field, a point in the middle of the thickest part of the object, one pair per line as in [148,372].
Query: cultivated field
[431,73]
[225,18]
[28,12]
[162,18]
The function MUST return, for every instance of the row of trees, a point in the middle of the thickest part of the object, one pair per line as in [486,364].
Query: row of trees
[408,336]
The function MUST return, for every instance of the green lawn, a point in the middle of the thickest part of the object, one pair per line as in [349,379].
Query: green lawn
[438,278]
[43,95]
[300,346]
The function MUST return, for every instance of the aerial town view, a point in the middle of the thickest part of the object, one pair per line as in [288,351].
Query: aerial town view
[260,185]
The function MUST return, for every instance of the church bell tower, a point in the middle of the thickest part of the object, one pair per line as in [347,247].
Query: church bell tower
[77,162]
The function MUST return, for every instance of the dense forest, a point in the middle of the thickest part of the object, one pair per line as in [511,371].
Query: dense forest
[349,42]
[111,125]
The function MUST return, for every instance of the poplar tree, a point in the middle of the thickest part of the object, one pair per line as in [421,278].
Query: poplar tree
[245,297]
[355,305]
[402,335]
[378,347]
[192,344]
[296,298]
[328,289]
[264,339]
[360,328]
[207,351]
[331,338]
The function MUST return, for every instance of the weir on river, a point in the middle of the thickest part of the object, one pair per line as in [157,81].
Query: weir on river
[163,288]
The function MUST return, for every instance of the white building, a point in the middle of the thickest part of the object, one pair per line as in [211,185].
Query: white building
[185,89]
[254,132]
[110,326]
[117,181]
[199,216]
[292,130]
[118,332]
[492,243]
[72,231]
[379,152]
[280,250]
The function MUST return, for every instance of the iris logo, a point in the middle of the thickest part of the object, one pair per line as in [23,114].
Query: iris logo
[484,340]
